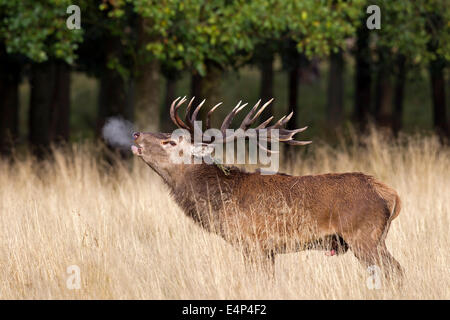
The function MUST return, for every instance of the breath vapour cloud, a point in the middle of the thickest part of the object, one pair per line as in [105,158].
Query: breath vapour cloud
[117,132]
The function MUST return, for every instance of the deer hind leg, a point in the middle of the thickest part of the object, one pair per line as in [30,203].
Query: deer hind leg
[393,268]
[368,246]
[270,264]
[379,256]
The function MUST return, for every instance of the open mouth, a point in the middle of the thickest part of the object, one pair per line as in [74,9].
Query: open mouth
[137,150]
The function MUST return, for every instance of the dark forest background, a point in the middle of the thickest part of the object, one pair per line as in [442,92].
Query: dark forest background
[131,58]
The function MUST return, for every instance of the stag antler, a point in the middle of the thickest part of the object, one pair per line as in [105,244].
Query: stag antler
[284,135]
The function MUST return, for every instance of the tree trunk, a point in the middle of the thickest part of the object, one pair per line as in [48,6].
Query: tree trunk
[266,87]
[42,83]
[211,85]
[293,75]
[399,94]
[438,97]
[196,85]
[437,81]
[147,97]
[9,103]
[363,77]
[60,107]
[294,82]
[115,95]
[171,87]
[113,100]
[147,85]
[384,92]
[49,105]
[335,105]
[207,87]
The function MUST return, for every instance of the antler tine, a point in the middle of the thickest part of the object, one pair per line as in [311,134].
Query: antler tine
[178,105]
[261,110]
[286,120]
[195,113]
[188,111]
[264,124]
[173,112]
[208,116]
[267,150]
[298,143]
[226,123]
[280,123]
[277,124]
[286,135]
[178,120]
[296,130]
[242,107]
[247,122]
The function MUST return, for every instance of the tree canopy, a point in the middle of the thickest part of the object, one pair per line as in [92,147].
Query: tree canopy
[37,30]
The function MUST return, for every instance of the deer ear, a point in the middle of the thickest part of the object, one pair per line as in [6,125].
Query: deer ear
[202,150]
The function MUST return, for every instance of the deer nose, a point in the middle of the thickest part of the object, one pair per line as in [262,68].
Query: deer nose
[136,135]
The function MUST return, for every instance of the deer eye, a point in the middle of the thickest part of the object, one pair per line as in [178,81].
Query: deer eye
[171,142]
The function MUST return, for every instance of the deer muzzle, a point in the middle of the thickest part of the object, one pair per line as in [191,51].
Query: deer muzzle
[137,150]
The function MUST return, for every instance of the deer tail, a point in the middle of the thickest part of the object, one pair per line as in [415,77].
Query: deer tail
[393,203]
[397,206]
[389,195]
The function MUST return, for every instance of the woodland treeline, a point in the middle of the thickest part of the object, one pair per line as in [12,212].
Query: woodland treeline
[131,46]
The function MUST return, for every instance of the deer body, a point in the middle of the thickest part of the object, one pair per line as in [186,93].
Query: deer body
[282,213]
[270,214]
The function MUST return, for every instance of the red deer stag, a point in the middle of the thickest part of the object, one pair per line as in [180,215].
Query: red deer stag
[269,214]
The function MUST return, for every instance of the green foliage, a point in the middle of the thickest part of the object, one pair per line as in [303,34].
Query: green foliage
[318,27]
[37,29]
[190,33]
[187,34]
[408,28]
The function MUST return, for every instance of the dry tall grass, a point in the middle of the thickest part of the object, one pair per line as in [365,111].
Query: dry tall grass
[131,241]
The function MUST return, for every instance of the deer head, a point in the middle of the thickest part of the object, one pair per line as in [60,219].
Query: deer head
[165,151]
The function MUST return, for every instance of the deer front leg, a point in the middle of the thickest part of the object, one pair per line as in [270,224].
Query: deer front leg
[262,259]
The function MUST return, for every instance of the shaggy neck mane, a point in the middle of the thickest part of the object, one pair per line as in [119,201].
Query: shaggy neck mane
[197,188]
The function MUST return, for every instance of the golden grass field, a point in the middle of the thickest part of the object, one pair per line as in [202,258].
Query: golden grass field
[131,241]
